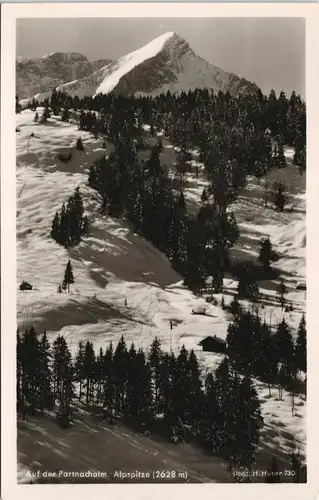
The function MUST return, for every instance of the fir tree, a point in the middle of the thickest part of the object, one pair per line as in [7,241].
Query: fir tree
[181,202]
[211,425]
[279,196]
[120,372]
[79,374]
[79,145]
[280,160]
[68,277]
[45,115]
[89,370]
[299,158]
[109,383]
[36,117]
[85,226]
[204,196]
[155,360]
[166,392]
[248,424]
[195,393]
[142,392]
[281,292]
[44,379]
[284,345]
[301,346]
[235,307]
[181,386]
[31,368]
[55,230]
[265,253]
[65,115]
[247,284]
[63,387]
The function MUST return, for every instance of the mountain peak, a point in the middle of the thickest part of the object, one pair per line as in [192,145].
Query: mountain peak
[166,63]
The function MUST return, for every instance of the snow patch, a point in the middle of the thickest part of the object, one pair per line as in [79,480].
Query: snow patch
[130,61]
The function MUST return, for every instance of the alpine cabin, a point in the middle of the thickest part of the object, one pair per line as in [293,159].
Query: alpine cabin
[213,344]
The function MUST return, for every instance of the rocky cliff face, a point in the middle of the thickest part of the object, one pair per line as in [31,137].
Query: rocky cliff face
[46,73]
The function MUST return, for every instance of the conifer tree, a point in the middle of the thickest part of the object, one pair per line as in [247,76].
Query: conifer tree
[109,383]
[44,378]
[265,253]
[85,226]
[238,340]
[68,277]
[63,379]
[55,230]
[211,425]
[235,307]
[181,202]
[63,230]
[280,160]
[142,392]
[195,393]
[204,196]
[181,385]
[36,117]
[79,145]
[261,167]
[281,292]
[299,158]
[46,114]
[99,376]
[89,370]
[132,388]
[249,423]
[301,346]
[65,115]
[279,196]
[166,392]
[79,374]
[284,345]
[120,372]
[247,284]
[31,366]
[155,360]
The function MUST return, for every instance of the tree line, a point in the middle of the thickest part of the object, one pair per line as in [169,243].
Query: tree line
[245,128]
[273,358]
[154,391]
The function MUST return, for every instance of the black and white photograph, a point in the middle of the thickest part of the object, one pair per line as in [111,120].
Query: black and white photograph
[161,327]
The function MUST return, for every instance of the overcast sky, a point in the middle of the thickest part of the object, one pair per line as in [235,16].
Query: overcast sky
[268,51]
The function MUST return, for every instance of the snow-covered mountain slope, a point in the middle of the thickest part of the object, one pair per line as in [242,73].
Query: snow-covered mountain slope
[113,264]
[35,75]
[166,63]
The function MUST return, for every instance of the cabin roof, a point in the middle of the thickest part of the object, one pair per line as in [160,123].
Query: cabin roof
[210,338]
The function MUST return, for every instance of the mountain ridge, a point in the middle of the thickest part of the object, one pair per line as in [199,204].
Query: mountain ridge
[41,74]
[166,63]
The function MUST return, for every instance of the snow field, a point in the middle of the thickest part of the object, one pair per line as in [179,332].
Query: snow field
[95,310]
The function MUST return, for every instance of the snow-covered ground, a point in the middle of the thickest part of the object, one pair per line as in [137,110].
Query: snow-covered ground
[113,265]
